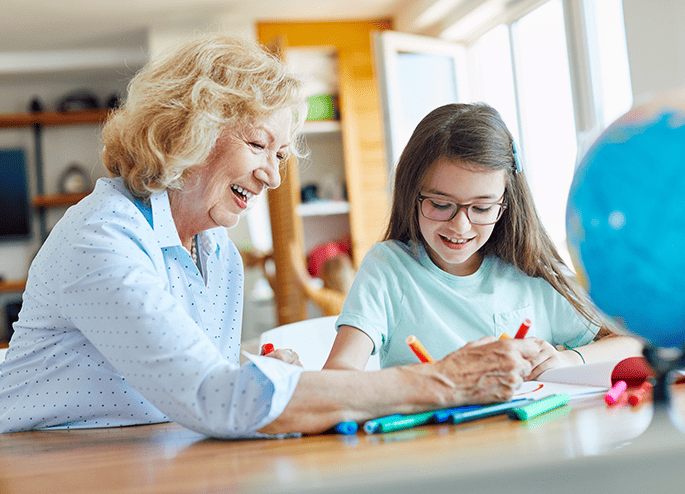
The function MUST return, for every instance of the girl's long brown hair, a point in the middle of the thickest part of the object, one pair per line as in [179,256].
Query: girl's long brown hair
[476,136]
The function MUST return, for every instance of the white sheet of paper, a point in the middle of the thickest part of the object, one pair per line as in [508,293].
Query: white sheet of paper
[576,380]
[538,389]
[595,374]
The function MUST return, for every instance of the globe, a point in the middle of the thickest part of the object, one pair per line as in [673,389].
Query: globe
[626,221]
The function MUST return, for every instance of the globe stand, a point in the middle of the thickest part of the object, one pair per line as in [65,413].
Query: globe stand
[663,362]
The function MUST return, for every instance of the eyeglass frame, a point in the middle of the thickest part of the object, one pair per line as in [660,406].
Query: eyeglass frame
[503,205]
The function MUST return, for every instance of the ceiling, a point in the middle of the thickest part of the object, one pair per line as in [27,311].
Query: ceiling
[40,25]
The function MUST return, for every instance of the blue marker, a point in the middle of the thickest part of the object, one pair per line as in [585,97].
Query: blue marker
[486,411]
[444,415]
[348,428]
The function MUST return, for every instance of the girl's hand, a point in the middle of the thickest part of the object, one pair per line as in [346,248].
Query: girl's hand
[549,358]
[285,354]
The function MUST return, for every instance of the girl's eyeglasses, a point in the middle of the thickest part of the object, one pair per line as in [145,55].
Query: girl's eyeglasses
[478,214]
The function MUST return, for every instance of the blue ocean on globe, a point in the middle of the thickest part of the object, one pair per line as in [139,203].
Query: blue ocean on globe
[626,225]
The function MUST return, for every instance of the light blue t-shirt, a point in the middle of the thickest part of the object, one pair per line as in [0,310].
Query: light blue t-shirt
[118,327]
[396,294]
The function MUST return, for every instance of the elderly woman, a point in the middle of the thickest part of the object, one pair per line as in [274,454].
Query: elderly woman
[132,310]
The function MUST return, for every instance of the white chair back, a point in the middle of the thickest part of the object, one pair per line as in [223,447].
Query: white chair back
[312,339]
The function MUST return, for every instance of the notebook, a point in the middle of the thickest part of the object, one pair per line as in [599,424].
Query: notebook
[585,379]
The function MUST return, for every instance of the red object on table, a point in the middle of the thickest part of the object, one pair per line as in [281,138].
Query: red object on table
[633,370]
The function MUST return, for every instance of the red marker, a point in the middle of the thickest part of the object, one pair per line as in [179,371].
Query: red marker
[267,348]
[638,395]
[523,330]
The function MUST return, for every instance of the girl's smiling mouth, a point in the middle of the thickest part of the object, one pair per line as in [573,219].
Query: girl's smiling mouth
[455,243]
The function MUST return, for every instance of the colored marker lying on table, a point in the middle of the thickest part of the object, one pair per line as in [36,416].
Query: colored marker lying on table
[374,425]
[267,348]
[405,422]
[616,390]
[539,407]
[419,349]
[444,415]
[638,395]
[347,428]
[397,421]
[523,330]
[486,411]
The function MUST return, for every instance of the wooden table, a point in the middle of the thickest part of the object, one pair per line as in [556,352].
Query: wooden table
[584,447]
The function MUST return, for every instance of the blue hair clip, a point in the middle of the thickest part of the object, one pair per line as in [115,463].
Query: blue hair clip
[517,156]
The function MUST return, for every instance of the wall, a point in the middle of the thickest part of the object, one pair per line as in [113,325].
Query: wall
[656,45]
[65,145]
[61,146]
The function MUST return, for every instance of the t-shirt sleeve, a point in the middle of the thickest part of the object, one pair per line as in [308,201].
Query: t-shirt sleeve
[374,301]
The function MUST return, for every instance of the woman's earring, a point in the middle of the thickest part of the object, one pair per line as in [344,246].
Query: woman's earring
[517,156]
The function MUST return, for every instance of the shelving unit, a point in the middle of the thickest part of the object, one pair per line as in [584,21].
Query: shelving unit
[361,141]
[51,119]
[57,200]
[12,286]
[42,202]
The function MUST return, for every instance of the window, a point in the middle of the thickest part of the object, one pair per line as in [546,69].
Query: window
[548,132]
[556,70]
[616,95]
[521,67]
[491,75]
[416,74]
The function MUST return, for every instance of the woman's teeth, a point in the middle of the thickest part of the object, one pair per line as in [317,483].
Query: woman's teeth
[246,194]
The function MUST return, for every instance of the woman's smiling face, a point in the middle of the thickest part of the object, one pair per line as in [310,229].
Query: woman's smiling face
[454,245]
[242,164]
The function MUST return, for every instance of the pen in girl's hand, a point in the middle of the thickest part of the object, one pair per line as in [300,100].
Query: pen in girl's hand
[523,329]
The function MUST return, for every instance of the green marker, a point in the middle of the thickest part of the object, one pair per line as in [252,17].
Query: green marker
[485,411]
[406,422]
[539,407]
[374,425]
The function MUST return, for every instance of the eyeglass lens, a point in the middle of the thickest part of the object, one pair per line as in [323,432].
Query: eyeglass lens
[478,214]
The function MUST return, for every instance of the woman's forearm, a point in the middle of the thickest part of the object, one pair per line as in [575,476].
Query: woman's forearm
[480,372]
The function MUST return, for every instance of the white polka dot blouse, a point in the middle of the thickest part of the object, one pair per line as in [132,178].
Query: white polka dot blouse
[119,327]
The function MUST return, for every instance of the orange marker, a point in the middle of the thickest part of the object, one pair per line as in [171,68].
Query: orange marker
[267,348]
[419,350]
[504,336]
[523,329]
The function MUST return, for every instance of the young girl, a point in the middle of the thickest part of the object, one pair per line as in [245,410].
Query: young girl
[466,256]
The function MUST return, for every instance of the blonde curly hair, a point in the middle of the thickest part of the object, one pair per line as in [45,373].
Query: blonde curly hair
[179,104]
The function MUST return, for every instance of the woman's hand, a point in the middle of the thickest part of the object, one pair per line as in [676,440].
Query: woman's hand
[483,371]
[487,370]
[285,354]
